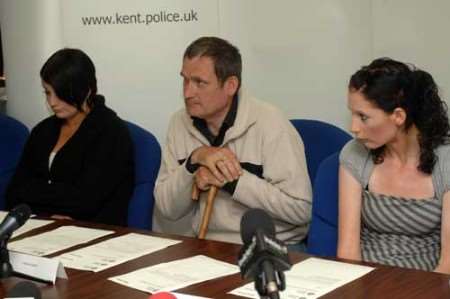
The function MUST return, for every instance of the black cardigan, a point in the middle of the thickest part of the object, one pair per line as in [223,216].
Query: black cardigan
[91,177]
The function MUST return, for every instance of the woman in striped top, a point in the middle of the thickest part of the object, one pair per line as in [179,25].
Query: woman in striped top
[394,177]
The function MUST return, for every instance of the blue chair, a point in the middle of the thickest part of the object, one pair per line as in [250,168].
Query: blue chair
[323,232]
[13,135]
[321,139]
[147,155]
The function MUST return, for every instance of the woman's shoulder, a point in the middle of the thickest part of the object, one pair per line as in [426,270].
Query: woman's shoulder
[104,117]
[443,150]
[353,150]
[442,153]
[441,170]
[105,127]
[46,124]
[114,124]
[355,157]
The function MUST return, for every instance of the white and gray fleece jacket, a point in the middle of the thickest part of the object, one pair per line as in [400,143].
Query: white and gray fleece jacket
[275,177]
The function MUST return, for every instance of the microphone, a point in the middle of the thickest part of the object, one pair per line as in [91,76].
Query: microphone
[162,295]
[262,257]
[15,219]
[24,289]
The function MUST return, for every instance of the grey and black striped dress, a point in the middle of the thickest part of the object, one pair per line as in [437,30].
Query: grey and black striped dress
[396,231]
[401,232]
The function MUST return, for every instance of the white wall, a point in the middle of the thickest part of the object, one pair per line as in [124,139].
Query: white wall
[30,33]
[138,65]
[416,32]
[299,55]
[285,48]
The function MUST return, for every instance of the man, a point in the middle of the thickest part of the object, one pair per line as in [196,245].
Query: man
[227,139]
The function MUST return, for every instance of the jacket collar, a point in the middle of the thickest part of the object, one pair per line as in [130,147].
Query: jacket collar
[228,122]
[244,119]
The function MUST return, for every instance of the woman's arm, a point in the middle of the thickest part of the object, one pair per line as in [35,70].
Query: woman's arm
[349,216]
[444,261]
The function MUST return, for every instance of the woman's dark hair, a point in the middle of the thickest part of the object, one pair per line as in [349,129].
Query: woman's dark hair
[226,57]
[390,84]
[71,73]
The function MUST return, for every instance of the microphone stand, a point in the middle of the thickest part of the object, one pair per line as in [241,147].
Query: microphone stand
[5,267]
[270,280]
[269,287]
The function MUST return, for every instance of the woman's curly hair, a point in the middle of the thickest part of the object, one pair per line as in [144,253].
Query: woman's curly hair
[391,84]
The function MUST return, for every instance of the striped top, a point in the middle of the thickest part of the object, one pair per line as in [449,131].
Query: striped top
[399,231]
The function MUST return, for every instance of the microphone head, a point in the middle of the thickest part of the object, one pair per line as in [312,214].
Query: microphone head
[24,289]
[21,212]
[253,220]
[162,295]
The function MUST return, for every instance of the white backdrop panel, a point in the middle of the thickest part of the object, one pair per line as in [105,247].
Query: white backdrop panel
[138,63]
[415,31]
[299,54]
[31,31]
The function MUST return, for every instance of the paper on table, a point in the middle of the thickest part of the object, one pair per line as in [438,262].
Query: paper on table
[311,279]
[175,275]
[58,239]
[113,252]
[28,226]
[184,296]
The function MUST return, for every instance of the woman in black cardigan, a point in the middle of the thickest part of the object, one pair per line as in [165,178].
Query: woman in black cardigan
[78,163]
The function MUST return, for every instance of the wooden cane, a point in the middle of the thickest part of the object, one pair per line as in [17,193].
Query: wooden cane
[207,211]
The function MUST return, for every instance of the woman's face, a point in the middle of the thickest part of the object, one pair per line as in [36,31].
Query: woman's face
[61,109]
[371,125]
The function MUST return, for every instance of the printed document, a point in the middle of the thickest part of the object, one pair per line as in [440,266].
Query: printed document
[185,296]
[28,226]
[56,240]
[176,275]
[311,279]
[114,251]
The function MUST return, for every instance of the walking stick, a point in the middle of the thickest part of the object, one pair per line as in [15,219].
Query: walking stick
[208,208]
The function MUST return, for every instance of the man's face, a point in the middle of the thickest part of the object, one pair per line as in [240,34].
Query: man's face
[204,96]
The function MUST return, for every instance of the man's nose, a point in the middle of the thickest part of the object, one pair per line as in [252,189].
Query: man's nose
[188,90]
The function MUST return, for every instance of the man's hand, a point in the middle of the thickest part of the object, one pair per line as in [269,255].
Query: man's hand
[204,179]
[220,161]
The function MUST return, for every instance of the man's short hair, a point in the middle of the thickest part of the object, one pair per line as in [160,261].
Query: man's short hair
[226,57]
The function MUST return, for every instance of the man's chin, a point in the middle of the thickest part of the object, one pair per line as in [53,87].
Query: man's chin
[194,112]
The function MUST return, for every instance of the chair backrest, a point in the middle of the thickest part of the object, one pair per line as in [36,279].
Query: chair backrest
[147,158]
[322,236]
[321,139]
[13,135]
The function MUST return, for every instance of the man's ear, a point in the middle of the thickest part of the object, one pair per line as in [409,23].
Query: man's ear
[399,116]
[231,85]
